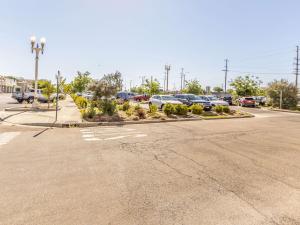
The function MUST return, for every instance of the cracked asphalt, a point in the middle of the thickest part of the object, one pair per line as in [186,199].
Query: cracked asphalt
[241,171]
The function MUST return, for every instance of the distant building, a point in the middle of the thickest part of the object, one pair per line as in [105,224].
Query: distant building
[9,84]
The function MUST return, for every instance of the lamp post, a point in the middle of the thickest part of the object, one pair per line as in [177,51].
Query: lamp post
[36,48]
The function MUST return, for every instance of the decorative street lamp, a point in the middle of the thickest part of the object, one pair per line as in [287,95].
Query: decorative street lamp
[35,47]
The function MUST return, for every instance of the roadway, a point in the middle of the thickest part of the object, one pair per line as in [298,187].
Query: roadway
[240,171]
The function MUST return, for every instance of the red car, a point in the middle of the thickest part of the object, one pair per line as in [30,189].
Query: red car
[247,101]
[140,98]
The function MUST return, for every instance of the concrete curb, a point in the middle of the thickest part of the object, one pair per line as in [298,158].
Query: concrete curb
[122,123]
[20,109]
[284,110]
[227,118]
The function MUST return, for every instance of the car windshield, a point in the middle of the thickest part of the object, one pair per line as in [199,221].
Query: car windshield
[166,98]
[212,98]
[249,98]
[196,98]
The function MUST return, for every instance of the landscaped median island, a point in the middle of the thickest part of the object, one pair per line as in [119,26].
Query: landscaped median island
[108,110]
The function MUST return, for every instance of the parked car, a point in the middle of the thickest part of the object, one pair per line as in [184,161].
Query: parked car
[247,101]
[29,96]
[191,99]
[260,100]
[161,100]
[125,96]
[227,99]
[140,98]
[88,95]
[214,101]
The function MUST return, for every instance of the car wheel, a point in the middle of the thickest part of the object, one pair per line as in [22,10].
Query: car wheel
[20,101]
[30,100]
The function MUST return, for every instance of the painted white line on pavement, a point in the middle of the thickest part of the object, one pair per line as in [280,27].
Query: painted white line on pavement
[88,135]
[7,137]
[114,138]
[92,139]
[141,135]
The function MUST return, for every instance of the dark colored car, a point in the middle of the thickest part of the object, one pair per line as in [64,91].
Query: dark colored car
[227,99]
[125,96]
[190,99]
[247,101]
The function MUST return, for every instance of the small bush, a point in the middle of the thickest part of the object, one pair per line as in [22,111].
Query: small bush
[126,106]
[152,109]
[141,113]
[181,109]
[226,109]
[129,112]
[169,109]
[136,107]
[197,109]
[107,107]
[81,102]
[219,109]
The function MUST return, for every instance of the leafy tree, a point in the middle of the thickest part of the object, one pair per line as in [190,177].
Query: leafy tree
[152,87]
[81,81]
[47,90]
[218,89]
[139,89]
[105,88]
[289,94]
[193,87]
[246,86]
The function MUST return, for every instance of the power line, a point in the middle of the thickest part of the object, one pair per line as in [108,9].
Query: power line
[238,71]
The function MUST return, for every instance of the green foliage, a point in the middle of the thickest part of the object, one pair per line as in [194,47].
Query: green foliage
[169,109]
[138,89]
[107,106]
[141,113]
[107,86]
[226,109]
[89,112]
[218,109]
[137,107]
[218,89]
[196,109]
[289,94]
[81,82]
[67,88]
[126,106]
[246,86]
[81,102]
[47,90]
[152,87]
[193,87]
[152,109]
[181,110]
[130,111]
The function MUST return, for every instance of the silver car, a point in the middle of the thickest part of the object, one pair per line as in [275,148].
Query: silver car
[161,100]
[214,100]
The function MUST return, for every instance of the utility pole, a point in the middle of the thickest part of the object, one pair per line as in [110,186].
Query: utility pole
[226,71]
[165,75]
[297,67]
[167,68]
[130,82]
[181,76]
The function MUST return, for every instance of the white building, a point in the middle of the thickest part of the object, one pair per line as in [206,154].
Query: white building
[7,84]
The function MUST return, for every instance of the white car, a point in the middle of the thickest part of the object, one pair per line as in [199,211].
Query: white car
[88,95]
[214,100]
[161,100]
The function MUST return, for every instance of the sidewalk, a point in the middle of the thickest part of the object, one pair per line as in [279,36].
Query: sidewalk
[68,113]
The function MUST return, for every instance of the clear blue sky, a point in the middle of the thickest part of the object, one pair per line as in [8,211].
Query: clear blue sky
[137,37]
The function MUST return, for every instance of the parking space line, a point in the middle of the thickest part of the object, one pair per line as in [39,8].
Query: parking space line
[6,137]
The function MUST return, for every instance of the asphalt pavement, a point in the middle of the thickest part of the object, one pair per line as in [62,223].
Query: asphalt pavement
[6,101]
[239,171]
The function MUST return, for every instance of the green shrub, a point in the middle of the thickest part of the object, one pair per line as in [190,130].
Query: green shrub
[219,109]
[152,109]
[197,109]
[107,107]
[181,109]
[137,107]
[126,106]
[81,102]
[129,112]
[226,109]
[169,109]
[141,113]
